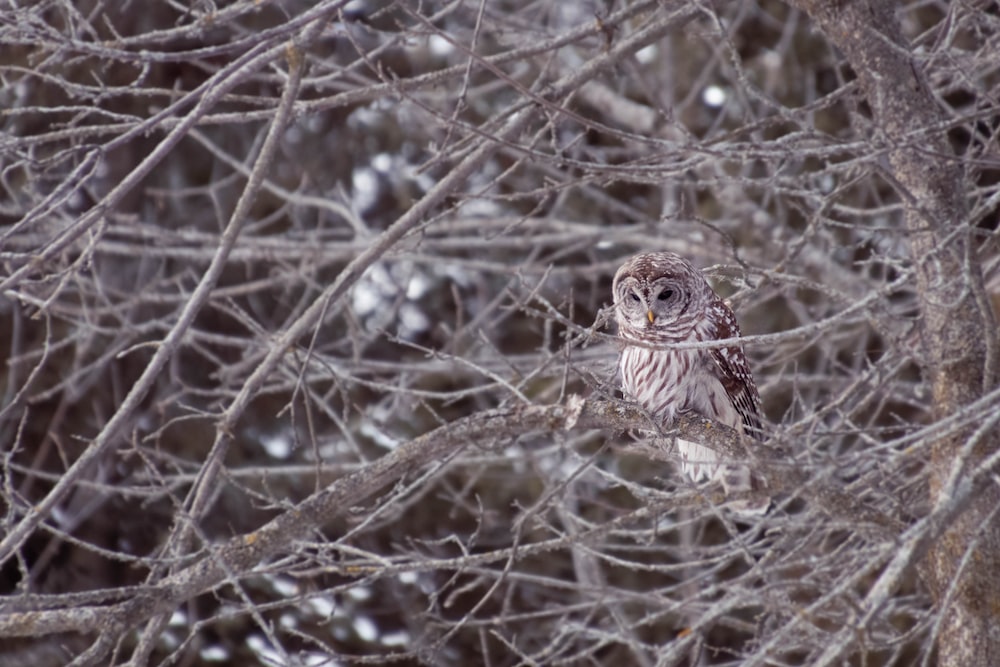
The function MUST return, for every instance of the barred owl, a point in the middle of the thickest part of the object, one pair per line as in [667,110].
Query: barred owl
[660,300]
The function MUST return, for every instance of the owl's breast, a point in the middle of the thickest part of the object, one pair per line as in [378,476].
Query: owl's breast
[666,382]
[655,379]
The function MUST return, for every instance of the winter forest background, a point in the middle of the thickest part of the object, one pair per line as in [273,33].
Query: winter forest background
[306,352]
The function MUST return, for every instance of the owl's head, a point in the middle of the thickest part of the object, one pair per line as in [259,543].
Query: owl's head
[659,295]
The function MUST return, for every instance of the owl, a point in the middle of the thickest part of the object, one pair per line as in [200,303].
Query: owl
[661,300]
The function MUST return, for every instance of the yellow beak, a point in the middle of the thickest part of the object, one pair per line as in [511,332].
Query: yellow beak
[650,316]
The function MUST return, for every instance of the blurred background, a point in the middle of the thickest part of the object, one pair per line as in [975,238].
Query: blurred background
[516,153]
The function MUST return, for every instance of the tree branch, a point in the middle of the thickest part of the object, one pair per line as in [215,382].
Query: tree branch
[238,556]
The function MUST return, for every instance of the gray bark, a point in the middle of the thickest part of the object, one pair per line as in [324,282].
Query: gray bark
[957,326]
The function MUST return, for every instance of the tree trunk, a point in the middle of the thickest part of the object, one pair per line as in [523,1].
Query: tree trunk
[957,328]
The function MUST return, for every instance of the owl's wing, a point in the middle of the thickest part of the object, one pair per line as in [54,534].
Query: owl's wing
[734,371]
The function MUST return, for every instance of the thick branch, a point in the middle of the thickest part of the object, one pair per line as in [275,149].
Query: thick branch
[240,555]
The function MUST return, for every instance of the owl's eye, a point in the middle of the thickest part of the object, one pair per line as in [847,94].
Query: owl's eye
[635,297]
[665,295]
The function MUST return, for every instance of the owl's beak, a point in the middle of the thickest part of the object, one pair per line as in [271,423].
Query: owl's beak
[650,316]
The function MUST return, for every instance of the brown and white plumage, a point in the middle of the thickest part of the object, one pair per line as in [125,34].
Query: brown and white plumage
[661,300]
